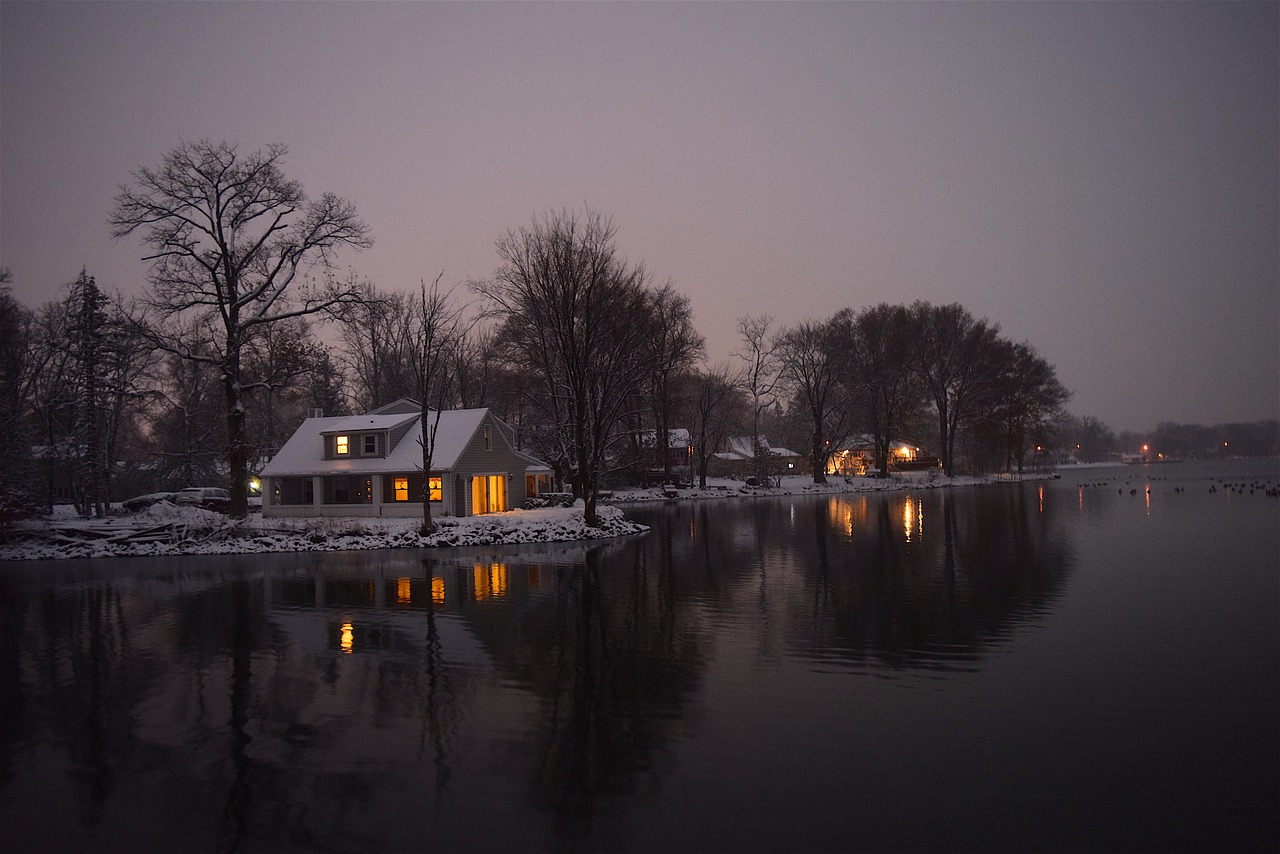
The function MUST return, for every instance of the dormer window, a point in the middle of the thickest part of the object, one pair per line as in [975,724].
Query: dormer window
[341,445]
[370,444]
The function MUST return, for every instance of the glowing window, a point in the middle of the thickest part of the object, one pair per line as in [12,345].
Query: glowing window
[402,488]
[341,445]
[434,488]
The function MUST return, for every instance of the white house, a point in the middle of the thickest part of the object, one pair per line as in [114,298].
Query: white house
[371,465]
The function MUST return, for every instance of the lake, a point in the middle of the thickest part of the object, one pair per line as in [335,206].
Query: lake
[1087,663]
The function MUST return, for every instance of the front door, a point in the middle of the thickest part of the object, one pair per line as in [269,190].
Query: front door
[488,494]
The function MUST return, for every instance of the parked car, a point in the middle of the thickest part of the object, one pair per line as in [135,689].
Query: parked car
[142,502]
[208,497]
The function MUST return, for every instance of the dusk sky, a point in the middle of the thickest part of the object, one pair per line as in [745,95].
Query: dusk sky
[1100,179]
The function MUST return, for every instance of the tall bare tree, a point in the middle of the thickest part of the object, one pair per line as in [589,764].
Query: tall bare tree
[676,347]
[1028,403]
[233,240]
[880,348]
[372,347]
[759,379]
[716,406]
[428,335]
[956,359]
[812,357]
[580,313]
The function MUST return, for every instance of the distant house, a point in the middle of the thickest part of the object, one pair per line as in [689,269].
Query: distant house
[679,455]
[858,454]
[371,465]
[738,458]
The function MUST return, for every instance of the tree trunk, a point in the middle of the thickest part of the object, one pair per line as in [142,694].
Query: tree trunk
[237,450]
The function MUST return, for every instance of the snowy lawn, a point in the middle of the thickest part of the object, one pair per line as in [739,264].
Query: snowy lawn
[166,529]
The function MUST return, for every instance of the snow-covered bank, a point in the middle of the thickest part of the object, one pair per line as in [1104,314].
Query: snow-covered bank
[165,529]
[203,532]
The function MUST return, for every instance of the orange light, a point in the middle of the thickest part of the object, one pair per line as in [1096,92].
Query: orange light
[348,640]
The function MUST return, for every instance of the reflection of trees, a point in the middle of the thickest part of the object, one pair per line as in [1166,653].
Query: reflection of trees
[610,657]
[918,580]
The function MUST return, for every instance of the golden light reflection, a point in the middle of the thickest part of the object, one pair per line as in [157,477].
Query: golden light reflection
[437,590]
[913,519]
[404,592]
[490,580]
[846,515]
[1040,491]
[348,640]
[1080,493]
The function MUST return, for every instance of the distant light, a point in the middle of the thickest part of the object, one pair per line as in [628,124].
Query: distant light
[348,638]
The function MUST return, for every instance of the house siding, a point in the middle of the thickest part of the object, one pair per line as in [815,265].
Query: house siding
[502,459]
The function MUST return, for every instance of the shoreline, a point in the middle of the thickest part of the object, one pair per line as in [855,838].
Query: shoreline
[177,531]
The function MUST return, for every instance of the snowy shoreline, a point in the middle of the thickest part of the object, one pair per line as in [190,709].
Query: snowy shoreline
[193,531]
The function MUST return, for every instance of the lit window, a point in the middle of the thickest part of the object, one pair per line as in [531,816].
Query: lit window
[370,444]
[341,446]
[402,488]
[434,489]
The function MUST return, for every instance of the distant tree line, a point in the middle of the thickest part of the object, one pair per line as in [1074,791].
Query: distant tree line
[248,326]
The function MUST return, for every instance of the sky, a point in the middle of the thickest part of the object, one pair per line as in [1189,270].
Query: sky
[1101,179]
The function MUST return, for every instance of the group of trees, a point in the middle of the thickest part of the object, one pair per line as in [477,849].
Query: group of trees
[248,326]
[886,371]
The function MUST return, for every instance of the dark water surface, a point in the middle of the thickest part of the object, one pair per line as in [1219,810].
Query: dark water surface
[1079,664]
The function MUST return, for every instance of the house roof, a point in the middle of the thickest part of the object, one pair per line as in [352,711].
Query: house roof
[742,448]
[303,454]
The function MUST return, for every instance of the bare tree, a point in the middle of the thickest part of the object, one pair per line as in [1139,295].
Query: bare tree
[881,346]
[955,358]
[1029,401]
[812,358]
[676,347]
[428,336]
[233,240]
[759,378]
[576,310]
[372,347]
[715,405]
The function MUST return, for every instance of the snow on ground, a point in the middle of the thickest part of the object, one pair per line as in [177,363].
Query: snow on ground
[166,529]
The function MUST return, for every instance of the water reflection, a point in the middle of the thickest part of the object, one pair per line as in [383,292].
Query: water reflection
[523,698]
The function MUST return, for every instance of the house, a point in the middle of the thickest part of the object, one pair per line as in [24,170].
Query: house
[739,457]
[679,455]
[371,465]
[857,455]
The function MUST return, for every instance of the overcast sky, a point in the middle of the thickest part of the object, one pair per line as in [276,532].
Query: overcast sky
[1100,179]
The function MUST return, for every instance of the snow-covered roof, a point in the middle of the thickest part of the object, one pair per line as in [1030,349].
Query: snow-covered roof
[356,423]
[303,454]
[742,448]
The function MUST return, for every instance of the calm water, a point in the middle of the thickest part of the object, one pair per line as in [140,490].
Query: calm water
[1074,664]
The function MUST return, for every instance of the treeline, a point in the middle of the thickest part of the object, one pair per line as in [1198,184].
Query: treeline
[247,327]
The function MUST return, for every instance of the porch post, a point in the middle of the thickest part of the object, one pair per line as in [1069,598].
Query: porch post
[375,499]
[317,491]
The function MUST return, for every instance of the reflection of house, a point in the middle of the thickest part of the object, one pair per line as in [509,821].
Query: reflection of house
[371,465]
[739,456]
